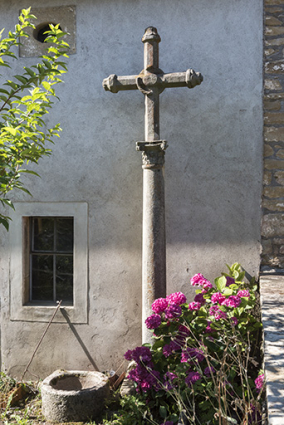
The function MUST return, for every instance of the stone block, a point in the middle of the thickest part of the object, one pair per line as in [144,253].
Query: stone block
[273,205]
[270,30]
[273,2]
[278,241]
[279,177]
[269,52]
[274,96]
[274,192]
[267,177]
[272,84]
[274,67]
[273,164]
[272,20]
[273,9]
[271,105]
[274,41]
[280,154]
[273,225]
[268,150]
[274,118]
[273,134]
[266,246]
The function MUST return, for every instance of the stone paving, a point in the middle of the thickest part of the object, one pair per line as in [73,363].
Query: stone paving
[272,310]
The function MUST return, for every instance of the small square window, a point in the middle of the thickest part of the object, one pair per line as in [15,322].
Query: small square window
[51,259]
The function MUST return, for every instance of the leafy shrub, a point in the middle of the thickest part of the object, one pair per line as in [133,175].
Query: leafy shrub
[200,368]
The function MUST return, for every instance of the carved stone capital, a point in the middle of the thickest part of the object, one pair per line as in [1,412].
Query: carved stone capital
[153,153]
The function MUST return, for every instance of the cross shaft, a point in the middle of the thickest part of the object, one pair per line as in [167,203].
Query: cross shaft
[151,82]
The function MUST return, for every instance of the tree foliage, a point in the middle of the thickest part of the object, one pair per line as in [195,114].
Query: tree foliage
[24,101]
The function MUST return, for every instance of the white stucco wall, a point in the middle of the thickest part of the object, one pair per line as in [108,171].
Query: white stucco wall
[213,164]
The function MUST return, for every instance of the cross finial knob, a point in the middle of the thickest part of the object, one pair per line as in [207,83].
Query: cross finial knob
[150,34]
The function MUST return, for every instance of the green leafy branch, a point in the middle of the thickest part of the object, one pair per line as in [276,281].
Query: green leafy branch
[26,99]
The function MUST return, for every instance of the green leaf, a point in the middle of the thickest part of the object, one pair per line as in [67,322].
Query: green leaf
[220,283]
[11,130]
[163,412]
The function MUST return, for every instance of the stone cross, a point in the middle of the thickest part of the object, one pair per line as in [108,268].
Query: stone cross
[151,82]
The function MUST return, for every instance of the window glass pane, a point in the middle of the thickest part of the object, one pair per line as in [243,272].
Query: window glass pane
[43,234]
[64,234]
[64,277]
[42,277]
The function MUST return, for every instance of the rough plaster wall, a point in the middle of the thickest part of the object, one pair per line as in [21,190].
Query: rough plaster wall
[213,164]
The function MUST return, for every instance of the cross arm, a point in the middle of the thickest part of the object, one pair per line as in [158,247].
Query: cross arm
[115,84]
[145,81]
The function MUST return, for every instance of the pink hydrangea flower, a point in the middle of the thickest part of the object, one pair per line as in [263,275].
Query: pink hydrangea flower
[192,377]
[197,280]
[207,285]
[232,301]
[153,322]
[259,382]
[160,305]
[217,297]
[194,305]
[217,313]
[243,293]
[176,298]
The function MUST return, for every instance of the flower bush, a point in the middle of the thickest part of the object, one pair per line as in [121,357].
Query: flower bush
[200,368]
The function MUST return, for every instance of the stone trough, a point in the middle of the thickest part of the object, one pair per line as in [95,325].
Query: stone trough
[74,395]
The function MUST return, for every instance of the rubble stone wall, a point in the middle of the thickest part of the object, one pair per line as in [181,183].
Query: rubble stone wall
[273,183]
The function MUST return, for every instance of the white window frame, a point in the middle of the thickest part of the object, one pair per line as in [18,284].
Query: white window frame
[21,310]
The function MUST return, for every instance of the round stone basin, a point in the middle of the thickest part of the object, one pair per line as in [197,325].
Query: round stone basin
[74,395]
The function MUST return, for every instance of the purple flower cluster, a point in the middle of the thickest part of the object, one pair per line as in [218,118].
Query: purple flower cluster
[172,311]
[143,374]
[192,377]
[208,371]
[199,298]
[139,354]
[230,280]
[168,380]
[170,348]
[192,355]
[153,322]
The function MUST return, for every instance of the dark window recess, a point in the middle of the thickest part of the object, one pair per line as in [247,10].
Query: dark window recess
[51,259]
[39,32]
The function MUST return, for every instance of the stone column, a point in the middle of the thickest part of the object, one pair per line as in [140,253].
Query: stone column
[154,235]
